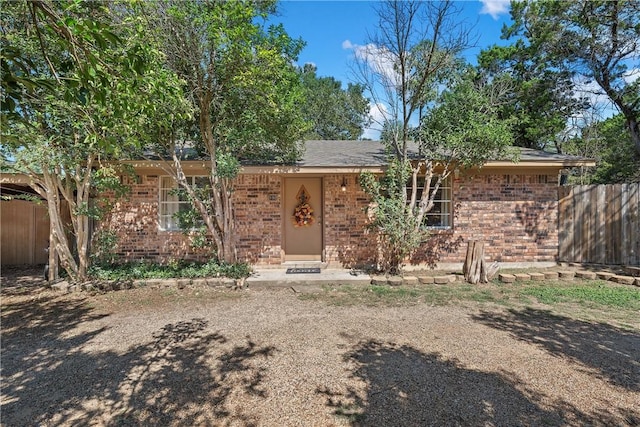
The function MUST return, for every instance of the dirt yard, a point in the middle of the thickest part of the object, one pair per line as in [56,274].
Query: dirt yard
[257,357]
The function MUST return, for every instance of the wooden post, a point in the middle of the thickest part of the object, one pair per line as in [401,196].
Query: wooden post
[474,268]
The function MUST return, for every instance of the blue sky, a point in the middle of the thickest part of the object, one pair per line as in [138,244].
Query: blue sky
[335,29]
[330,27]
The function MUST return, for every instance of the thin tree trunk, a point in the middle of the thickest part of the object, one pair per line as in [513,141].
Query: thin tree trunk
[229,255]
[83,189]
[199,204]
[220,222]
[59,242]
[53,256]
[220,189]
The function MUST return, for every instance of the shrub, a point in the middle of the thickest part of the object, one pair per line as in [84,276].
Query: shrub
[175,269]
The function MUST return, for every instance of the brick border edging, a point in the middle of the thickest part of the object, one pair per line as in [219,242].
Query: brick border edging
[117,285]
[409,280]
[563,275]
[569,275]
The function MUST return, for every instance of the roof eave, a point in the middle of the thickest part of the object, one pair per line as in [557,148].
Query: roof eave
[541,163]
[15,178]
[327,169]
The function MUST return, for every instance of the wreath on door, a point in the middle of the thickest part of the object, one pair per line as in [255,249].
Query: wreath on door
[303,213]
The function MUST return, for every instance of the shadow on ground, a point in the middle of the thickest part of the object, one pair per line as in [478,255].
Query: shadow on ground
[404,386]
[18,280]
[612,353]
[182,374]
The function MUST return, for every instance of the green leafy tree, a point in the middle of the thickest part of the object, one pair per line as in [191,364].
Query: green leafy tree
[333,112]
[102,91]
[597,39]
[245,93]
[539,101]
[66,27]
[415,50]
[608,142]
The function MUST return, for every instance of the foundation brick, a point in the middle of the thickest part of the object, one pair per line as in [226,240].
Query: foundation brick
[551,275]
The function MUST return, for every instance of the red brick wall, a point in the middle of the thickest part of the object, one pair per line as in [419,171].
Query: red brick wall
[258,223]
[345,239]
[516,216]
[135,220]
[257,200]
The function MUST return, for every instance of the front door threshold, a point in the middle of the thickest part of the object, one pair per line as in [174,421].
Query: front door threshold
[303,258]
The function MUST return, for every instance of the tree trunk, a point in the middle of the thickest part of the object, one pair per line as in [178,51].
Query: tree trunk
[222,236]
[630,114]
[59,244]
[473,262]
[634,129]
[82,243]
[475,268]
[229,252]
[53,255]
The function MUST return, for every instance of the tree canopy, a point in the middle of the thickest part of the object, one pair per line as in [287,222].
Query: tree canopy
[610,144]
[414,53]
[244,90]
[538,100]
[333,113]
[598,40]
[83,88]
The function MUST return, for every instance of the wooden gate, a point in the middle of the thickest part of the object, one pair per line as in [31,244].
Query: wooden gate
[24,232]
[600,224]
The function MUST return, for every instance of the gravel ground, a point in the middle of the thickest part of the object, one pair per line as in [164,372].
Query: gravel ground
[258,357]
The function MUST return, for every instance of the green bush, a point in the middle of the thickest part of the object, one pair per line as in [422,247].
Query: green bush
[175,269]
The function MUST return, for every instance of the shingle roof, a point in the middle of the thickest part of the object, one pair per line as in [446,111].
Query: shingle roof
[344,153]
[373,154]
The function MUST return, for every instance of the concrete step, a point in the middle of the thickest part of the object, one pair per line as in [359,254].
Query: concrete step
[303,264]
[327,276]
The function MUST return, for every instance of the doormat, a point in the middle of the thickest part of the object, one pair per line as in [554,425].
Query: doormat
[314,270]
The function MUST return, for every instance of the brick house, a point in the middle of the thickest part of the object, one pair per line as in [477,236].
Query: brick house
[513,207]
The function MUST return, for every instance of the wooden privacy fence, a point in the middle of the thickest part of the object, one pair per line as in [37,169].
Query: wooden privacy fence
[24,232]
[599,224]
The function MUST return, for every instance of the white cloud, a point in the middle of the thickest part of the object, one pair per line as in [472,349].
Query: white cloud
[495,8]
[378,113]
[632,75]
[598,99]
[591,90]
[379,60]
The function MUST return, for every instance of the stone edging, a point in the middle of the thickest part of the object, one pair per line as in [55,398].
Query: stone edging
[106,286]
[564,275]
[568,275]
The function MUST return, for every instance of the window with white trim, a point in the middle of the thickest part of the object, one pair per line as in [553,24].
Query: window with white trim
[173,201]
[440,216]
